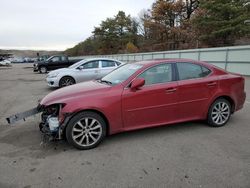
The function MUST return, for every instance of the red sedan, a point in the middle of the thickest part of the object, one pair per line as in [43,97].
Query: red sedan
[141,95]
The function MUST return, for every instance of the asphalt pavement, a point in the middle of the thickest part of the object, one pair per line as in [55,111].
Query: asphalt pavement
[183,155]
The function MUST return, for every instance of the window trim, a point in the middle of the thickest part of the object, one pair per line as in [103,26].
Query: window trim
[178,74]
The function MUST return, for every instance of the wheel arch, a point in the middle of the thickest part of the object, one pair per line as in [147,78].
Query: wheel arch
[228,98]
[95,111]
[40,66]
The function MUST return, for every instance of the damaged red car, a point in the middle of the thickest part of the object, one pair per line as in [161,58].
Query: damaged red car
[141,95]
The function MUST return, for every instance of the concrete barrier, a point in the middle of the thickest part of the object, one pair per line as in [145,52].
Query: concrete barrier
[233,59]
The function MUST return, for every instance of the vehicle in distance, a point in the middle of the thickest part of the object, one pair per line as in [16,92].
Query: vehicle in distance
[142,95]
[5,62]
[87,69]
[52,63]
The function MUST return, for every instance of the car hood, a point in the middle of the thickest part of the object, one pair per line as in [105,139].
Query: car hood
[59,70]
[65,94]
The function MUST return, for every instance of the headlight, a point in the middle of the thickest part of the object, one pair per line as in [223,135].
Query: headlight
[53,75]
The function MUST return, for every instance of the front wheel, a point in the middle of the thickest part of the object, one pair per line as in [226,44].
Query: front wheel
[43,70]
[66,81]
[219,113]
[86,130]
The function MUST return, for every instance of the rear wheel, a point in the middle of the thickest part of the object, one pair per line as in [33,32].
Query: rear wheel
[43,70]
[66,81]
[86,130]
[219,113]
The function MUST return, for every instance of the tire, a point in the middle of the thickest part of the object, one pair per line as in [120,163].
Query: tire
[43,70]
[86,130]
[66,81]
[219,113]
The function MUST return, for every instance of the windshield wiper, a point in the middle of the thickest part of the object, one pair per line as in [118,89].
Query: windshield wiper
[105,81]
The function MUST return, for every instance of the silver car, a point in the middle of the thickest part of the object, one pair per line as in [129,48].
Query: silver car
[87,69]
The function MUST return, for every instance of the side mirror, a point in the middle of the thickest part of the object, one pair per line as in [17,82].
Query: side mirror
[80,67]
[137,83]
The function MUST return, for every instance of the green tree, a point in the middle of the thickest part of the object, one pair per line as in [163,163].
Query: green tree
[221,22]
[114,33]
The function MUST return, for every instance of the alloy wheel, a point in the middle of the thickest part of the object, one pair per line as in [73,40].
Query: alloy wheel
[66,82]
[87,131]
[220,113]
[43,69]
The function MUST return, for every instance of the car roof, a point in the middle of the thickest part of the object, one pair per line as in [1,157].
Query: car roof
[168,60]
[101,58]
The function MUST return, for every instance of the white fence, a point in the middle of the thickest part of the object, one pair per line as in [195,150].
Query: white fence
[233,59]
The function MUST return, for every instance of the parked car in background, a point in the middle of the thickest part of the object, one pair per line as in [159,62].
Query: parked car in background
[17,60]
[5,62]
[52,63]
[28,60]
[141,95]
[87,69]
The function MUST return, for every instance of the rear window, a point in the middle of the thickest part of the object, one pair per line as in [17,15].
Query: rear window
[106,63]
[118,63]
[190,70]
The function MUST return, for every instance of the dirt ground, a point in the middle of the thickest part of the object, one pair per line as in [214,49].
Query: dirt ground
[183,155]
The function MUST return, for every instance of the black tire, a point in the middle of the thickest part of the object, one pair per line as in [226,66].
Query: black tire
[66,81]
[218,118]
[43,69]
[86,131]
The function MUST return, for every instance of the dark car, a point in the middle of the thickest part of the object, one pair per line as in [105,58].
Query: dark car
[52,63]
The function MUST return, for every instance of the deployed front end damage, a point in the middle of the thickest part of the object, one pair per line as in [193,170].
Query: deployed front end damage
[52,122]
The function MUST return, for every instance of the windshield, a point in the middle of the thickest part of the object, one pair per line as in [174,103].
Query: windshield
[121,74]
[77,64]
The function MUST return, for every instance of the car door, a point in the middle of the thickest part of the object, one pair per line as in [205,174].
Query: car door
[106,67]
[87,71]
[54,63]
[63,62]
[195,88]
[153,104]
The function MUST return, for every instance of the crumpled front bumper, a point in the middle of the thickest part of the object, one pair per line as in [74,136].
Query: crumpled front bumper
[49,125]
[21,116]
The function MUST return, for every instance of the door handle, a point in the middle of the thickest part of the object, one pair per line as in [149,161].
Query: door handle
[170,90]
[96,71]
[210,84]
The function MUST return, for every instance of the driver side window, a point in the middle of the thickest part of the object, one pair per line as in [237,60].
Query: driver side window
[158,74]
[90,65]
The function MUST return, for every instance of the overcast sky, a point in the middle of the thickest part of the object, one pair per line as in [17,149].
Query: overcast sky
[57,24]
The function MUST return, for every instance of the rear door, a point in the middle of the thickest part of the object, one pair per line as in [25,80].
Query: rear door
[63,62]
[153,104]
[87,71]
[195,87]
[106,67]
